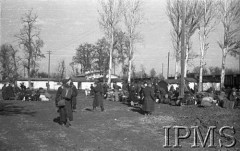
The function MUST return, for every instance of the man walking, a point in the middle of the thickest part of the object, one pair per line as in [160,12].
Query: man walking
[98,96]
[148,101]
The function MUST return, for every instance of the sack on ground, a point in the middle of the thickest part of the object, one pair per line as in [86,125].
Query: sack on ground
[207,101]
[61,103]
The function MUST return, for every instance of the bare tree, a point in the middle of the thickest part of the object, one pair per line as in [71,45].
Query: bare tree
[133,18]
[122,47]
[197,70]
[174,15]
[9,61]
[194,13]
[205,27]
[101,56]
[5,60]
[229,13]
[142,71]
[153,73]
[110,16]
[192,19]
[29,40]
[85,56]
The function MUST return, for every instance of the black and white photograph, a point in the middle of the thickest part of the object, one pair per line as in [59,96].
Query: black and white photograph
[120,75]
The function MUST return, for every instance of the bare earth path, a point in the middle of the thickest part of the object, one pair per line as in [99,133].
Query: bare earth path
[30,126]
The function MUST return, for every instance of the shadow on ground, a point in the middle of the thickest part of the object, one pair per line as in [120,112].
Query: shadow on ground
[138,110]
[9,109]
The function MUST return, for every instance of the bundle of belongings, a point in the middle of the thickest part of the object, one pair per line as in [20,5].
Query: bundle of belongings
[123,96]
[36,95]
[220,99]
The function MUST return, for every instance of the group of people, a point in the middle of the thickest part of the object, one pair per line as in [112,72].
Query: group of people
[146,94]
[11,91]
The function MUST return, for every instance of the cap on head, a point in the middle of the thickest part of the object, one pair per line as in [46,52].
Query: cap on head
[64,81]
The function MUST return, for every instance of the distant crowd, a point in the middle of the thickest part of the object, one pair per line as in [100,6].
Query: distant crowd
[143,94]
[11,91]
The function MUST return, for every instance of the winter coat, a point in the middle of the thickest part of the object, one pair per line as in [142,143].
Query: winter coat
[148,100]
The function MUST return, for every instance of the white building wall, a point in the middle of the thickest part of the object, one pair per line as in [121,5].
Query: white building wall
[1,85]
[86,85]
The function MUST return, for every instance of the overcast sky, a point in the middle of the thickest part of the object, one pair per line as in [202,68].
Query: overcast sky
[65,24]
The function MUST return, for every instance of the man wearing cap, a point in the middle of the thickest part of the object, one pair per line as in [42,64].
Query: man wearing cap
[98,96]
[65,92]
[148,100]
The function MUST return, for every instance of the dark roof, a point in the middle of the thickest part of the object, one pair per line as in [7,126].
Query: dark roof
[177,81]
[215,79]
[113,80]
[38,79]
[81,79]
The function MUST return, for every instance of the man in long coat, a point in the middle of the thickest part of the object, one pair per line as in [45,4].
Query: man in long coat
[74,96]
[65,112]
[98,96]
[148,101]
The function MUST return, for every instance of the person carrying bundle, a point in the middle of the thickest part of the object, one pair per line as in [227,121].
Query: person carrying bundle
[64,104]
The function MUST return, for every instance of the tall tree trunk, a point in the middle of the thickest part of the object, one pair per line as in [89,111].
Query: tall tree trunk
[177,64]
[130,62]
[110,59]
[202,39]
[29,72]
[129,70]
[224,55]
[200,75]
[186,60]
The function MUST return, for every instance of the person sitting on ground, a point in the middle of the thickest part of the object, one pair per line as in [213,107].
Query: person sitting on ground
[233,97]
[133,95]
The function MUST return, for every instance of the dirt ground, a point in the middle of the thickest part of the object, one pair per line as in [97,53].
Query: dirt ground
[30,126]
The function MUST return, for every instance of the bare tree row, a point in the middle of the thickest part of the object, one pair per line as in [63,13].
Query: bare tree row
[202,16]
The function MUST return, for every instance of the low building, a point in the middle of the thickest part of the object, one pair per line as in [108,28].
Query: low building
[37,83]
[176,82]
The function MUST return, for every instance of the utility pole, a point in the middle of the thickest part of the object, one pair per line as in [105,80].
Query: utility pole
[182,50]
[168,65]
[49,53]
[162,68]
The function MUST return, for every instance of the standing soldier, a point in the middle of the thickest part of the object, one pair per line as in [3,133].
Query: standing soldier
[148,100]
[74,96]
[98,96]
[64,94]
